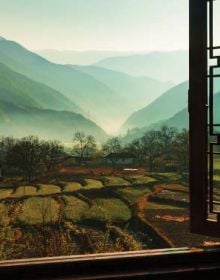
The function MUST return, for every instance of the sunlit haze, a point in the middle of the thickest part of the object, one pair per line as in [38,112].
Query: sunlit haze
[136,25]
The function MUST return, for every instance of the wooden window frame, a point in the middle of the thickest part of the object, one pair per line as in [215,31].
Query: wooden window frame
[154,264]
[198,114]
[199,109]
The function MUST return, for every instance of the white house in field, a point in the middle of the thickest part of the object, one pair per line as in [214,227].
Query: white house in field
[120,158]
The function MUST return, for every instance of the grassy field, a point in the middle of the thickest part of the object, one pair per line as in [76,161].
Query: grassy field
[115,181]
[133,193]
[71,186]
[4,193]
[48,189]
[170,177]
[3,215]
[140,179]
[110,210]
[37,210]
[91,184]
[75,209]
[99,213]
[24,191]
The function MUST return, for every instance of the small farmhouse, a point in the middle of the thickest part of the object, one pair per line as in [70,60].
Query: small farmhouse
[120,159]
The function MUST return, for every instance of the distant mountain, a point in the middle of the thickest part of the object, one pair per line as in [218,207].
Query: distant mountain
[137,90]
[20,90]
[79,57]
[98,101]
[163,108]
[164,66]
[19,121]
[181,119]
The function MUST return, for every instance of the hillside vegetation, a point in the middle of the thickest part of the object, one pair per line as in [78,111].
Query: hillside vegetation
[19,121]
[20,90]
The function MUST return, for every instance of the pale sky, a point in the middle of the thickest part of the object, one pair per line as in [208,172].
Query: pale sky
[136,25]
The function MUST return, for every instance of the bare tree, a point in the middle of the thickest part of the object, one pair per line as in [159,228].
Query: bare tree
[181,150]
[83,145]
[151,148]
[112,147]
[6,144]
[52,154]
[136,148]
[167,136]
[26,156]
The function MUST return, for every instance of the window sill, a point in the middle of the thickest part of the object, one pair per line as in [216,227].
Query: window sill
[156,264]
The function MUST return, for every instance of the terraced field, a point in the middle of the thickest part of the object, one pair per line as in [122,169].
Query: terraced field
[115,181]
[48,189]
[3,215]
[5,193]
[75,209]
[127,209]
[38,210]
[109,209]
[24,191]
[140,179]
[71,186]
[133,193]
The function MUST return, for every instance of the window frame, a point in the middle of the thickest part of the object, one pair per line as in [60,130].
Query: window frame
[155,264]
[198,113]
[198,119]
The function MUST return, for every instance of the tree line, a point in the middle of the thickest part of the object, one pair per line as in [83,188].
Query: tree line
[29,156]
[164,148]
[156,150]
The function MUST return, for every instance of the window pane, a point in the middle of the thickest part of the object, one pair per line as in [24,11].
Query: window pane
[216,11]
[94,128]
[216,183]
[213,115]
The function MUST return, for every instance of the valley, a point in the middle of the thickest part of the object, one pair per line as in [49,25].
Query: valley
[93,157]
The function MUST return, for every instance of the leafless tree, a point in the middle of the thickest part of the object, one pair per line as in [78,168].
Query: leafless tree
[83,145]
[151,148]
[167,136]
[52,154]
[26,156]
[181,150]
[112,147]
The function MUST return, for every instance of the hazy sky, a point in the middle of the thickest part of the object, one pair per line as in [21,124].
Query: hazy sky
[96,24]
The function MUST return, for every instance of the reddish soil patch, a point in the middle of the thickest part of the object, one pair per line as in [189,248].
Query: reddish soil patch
[170,218]
[17,235]
[211,243]
[94,172]
[171,187]
[142,203]
[176,231]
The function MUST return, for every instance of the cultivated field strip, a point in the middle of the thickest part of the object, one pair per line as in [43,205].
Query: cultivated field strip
[110,207]
[68,187]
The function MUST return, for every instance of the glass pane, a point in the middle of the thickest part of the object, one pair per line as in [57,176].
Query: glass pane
[94,127]
[216,181]
[216,52]
[217,72]
[216,102]
[216,32]
[214,157]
